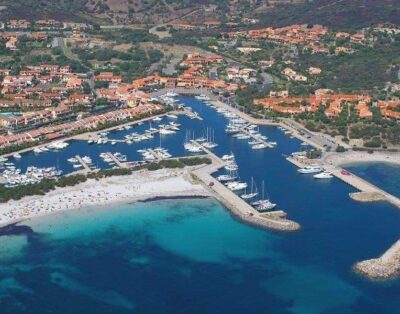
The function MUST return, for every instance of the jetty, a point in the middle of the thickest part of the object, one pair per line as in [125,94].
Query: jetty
[85,166]
[385,267]
[245,130]
[116,161]
[275,220]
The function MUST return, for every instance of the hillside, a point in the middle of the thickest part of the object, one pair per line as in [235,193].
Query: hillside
[136,11]
[336,14]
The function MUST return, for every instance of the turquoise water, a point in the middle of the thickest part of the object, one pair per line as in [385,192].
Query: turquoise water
[192,256]
[177,256]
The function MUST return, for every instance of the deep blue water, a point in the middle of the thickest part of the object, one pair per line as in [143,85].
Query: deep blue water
[191,256]
[384,175]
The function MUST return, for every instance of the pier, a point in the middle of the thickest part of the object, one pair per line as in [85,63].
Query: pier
[116,161]
[368,191]
[245,129]
[83,163]
[272,220]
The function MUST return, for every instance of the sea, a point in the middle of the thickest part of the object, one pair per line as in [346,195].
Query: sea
[192,255]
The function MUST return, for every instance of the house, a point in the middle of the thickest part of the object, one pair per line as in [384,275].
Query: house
[74,82]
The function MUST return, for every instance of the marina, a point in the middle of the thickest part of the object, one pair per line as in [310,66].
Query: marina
[336,232]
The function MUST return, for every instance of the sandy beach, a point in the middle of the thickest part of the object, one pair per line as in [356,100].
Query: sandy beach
[339,159]
[108,191]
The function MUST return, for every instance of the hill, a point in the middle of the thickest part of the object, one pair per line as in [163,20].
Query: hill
[336,14]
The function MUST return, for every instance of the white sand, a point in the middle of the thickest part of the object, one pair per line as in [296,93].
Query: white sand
[124,189]
[349,157]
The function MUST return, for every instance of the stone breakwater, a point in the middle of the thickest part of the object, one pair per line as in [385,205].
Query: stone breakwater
[367,196]
[385,267]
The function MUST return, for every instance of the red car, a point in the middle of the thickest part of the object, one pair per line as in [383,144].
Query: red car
[346,173]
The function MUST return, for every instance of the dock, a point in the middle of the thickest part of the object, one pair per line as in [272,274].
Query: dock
[245,130]
[351,179]
[116,161]
[85,166]
[275,220]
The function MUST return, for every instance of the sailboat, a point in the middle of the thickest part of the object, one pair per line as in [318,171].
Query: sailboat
[210,140]
[253,192]
[263,204]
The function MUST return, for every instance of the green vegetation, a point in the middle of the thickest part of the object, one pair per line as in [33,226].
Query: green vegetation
[48,185]
[342,15]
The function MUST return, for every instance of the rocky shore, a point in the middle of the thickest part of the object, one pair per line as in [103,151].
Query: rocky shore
[385,267]
[367,196]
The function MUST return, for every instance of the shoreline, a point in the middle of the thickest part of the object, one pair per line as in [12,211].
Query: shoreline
[112,191]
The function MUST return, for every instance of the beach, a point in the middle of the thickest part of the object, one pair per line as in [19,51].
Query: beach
[340,159]
[141,185]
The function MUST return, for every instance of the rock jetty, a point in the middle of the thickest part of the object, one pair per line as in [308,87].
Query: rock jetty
[385,267]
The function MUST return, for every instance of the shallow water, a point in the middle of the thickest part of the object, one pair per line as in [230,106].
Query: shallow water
[192,256]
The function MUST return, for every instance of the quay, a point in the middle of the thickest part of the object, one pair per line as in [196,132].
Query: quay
[275,220]
[368,191]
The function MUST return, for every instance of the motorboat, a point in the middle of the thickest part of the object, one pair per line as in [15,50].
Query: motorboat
[226,177]
[17,156]
[228,157]
[172,116]
[236,186]
[259,146]
[310,169]
[323,175]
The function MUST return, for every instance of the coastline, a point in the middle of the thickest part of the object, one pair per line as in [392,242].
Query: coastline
[353,157]
[140,186]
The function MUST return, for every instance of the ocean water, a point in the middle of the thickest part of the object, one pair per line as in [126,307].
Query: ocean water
[192,256]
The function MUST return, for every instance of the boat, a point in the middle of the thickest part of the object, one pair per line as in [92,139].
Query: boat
[259,146]
[3,159]
[310,169]
[37,150]
[157,119]
[17,156]
[263,204]
[231,166]
[226,177]
[172,116]
[323,175]
[76,166]
[236,186]
[253,193]
[72,160]
[90,142]
[228,157]
[243,136]
[113,142]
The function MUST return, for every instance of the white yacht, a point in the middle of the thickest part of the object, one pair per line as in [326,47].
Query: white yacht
[226,177]
[228,157]
[172,116]
[259,146]
[323,175]
[265,206]
[17,156]
[310,169]
[236,186]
